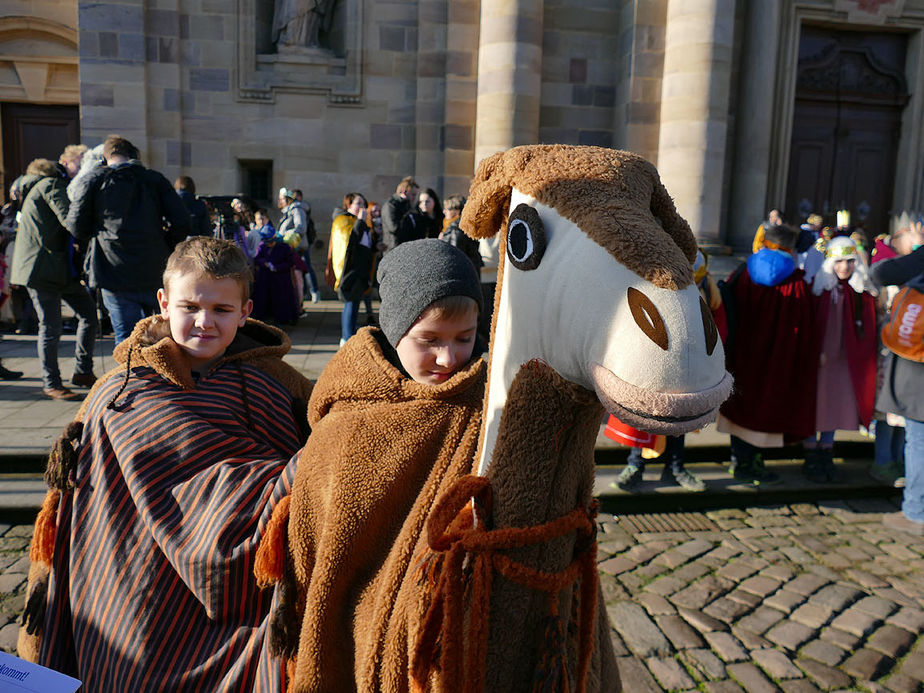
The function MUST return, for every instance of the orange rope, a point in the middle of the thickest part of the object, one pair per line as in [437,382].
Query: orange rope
[269,565]
[46,524]
[441,636]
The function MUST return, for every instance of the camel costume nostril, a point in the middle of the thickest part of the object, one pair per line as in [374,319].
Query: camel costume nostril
[595,304]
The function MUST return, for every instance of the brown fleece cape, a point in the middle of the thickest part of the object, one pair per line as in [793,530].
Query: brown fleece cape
[383,448]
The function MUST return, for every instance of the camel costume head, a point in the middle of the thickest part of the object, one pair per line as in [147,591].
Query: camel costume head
[596,280]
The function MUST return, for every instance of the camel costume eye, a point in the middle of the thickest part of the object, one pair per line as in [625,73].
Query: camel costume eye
[525,238]
[647,317]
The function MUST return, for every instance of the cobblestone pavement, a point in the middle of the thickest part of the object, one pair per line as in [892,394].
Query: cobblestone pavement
[792,598]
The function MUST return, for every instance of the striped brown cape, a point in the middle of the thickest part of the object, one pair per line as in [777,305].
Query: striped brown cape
[151,584]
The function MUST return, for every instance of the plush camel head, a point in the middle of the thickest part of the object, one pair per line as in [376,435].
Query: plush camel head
[596,279]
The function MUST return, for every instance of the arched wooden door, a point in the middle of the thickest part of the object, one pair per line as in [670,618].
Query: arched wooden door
[31,131]
[850,94]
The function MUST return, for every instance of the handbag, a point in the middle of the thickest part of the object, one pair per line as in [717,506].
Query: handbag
[903,334]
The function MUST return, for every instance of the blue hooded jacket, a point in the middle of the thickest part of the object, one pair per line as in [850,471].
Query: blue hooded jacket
[770,267]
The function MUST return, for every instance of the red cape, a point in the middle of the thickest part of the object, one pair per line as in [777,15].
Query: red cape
[773,357]
[860,343]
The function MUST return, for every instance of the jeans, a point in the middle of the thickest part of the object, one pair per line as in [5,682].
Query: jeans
[890,443]
[312,277]
[348,319]
[913,499]
[48,307]
[823,439]
[127,308]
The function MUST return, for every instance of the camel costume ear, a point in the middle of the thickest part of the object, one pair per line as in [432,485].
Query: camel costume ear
[615,197]
[485,212]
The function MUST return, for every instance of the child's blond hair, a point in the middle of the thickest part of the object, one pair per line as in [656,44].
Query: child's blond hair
[210,257]
[451,308]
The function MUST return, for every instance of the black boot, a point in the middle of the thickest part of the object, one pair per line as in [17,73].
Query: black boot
[812,468]
[826,465]
[630,477]
[7,374]
[674,471]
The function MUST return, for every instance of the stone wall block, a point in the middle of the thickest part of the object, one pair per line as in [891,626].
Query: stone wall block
[108,44]
[171,100]
[190,52]
[106,16]
[96,95]
[431,64]
[459,137]
[209,79]
[207,27]
[88,44]
[384,136]
[391,38]
[132,47]
[162,23]
[460,63]
[582,95]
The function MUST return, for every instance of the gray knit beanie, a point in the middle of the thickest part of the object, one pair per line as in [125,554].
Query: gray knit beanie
[415,274]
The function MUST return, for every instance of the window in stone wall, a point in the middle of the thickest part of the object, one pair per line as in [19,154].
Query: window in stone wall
[257,179]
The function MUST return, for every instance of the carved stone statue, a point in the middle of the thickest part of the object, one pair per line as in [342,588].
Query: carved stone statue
[298,23]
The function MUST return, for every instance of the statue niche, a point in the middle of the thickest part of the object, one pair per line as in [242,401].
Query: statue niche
[301,26]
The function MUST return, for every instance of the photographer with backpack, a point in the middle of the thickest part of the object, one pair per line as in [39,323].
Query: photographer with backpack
[902,391]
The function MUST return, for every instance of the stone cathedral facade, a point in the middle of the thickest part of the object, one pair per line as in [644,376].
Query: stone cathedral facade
[744,105]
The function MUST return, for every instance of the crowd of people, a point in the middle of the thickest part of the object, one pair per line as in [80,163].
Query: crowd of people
[195,450]
[801,321]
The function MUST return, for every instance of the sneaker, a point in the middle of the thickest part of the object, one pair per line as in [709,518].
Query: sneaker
[905,524]
[753,470]
[628,478]
[7,374]
[315,297]
[83,379]
[62,393]
[887,474]
[681,477]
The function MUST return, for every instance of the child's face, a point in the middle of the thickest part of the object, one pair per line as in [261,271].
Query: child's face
[436,347]
[204,314]
[843,269]
[260,220]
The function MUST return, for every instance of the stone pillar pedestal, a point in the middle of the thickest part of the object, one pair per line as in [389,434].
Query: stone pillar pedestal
[694,109]
[748,203]
[509,75]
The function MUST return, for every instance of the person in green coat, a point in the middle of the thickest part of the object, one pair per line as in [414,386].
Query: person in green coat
[43,263]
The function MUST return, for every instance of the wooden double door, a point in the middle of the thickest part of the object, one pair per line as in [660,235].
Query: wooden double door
[850,96]
[32,131]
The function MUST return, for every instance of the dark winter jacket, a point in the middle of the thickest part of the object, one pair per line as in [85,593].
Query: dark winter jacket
[41,257]
[398,223]
[119,214]
[454,235]
[198,213]
[902,389]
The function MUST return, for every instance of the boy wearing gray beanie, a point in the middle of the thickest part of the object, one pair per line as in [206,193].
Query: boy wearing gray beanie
[431,298]
[395,419]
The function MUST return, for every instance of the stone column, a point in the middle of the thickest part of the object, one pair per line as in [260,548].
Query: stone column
[748,203]
[694,109]
[509,75]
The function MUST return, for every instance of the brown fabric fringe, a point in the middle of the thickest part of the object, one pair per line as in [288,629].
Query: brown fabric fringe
[443,644]
[271,554]
[62,460]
